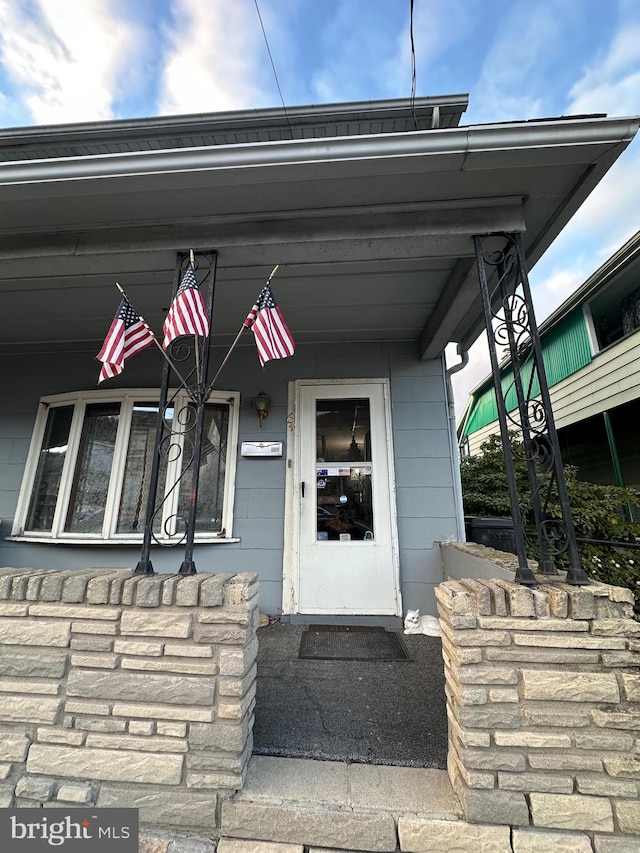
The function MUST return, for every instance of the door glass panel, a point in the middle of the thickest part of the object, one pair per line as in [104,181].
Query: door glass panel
[343,470]
[49,471]
[93,469]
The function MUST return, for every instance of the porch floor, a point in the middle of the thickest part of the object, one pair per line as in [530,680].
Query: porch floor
[364,712]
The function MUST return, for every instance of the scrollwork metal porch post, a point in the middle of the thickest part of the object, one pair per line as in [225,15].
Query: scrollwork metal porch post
[170,442]
[201,394]
[502,272]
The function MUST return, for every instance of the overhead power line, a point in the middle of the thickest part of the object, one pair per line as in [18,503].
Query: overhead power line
[413,65]
[275,74]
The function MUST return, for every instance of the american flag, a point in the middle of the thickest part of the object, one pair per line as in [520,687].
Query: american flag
[187,314]
[127,335]
[272,335]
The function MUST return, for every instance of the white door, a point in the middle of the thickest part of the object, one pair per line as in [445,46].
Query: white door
[347,554]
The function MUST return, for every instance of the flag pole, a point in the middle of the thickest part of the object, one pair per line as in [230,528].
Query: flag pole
[197,342]
[237,338]
[156,342]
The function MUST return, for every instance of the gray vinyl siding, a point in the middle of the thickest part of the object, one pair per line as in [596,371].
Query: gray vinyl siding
[424,478]
[424,475]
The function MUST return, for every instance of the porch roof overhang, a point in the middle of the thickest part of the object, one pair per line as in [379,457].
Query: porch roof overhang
[373,231]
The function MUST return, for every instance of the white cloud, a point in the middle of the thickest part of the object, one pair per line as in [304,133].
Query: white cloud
[65,58]
[610,213]
[364,62]
[612,82]
[556,288]
[217,59]
[510,81]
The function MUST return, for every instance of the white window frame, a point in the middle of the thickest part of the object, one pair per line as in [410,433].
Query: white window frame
[126,398]
[591,329]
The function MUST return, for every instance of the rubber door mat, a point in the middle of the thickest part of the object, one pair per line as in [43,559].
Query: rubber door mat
[350,644]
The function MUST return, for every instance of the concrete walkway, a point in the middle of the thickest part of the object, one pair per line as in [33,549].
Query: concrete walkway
[333,804]
[319,803]
[357,711]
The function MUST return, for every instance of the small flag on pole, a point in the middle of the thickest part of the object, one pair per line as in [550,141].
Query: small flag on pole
[127,335]
[187,314]
[272,335]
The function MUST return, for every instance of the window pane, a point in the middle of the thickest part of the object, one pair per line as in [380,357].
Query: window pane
[93,469]
[135,488]
[344,509]
[212,471]
[343,470]
[49,471]
[343,430]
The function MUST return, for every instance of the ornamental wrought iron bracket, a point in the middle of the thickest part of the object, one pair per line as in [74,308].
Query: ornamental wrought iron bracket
[179,435]
[524,408]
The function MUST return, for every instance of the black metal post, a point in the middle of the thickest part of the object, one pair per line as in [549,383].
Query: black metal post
[524,574]
[145,566]
[576,574]
[508,283]
[171,441]
[516,326]
[201,395]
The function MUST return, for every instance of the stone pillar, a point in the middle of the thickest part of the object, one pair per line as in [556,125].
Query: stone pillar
[121,690]
[543,699]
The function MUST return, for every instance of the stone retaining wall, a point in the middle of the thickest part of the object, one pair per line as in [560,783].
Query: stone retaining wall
[543,699]
[118,690]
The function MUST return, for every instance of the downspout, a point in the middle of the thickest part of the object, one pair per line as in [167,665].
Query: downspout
[453,439]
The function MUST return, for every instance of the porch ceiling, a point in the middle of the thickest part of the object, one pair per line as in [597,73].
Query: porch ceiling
[373,233]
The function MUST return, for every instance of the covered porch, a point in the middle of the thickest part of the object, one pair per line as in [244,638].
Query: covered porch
[371,212]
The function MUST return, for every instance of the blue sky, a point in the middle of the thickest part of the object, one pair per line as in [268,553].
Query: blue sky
[91,60]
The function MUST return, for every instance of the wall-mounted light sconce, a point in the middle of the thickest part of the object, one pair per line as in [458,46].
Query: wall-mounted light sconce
[261,404]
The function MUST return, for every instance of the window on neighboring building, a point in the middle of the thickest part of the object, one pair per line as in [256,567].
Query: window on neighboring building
[87,476]
[616,312]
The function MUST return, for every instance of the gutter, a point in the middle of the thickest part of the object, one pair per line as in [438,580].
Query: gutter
[377,147]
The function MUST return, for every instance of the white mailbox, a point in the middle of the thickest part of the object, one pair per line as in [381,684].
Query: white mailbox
[261,448]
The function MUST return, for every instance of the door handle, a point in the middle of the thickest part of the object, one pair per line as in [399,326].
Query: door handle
[302,487]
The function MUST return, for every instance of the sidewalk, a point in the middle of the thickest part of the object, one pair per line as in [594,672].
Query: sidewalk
[331,804]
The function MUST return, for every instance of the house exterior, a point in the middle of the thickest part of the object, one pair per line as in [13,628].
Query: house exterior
[340,497]
[591,350]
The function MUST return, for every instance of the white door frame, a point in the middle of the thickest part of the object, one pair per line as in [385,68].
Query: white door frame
[291,557]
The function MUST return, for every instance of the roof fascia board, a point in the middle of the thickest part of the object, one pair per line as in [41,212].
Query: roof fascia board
[373,148]
[202,122]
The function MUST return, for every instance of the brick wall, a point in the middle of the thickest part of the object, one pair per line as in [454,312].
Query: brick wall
[543,698]
[118,690]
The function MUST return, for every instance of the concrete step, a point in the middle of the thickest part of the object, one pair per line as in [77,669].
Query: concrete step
[334,804]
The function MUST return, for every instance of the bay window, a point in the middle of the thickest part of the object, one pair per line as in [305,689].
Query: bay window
[89,466]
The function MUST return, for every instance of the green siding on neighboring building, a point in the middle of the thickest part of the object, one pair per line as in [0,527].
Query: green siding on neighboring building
[565,349]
